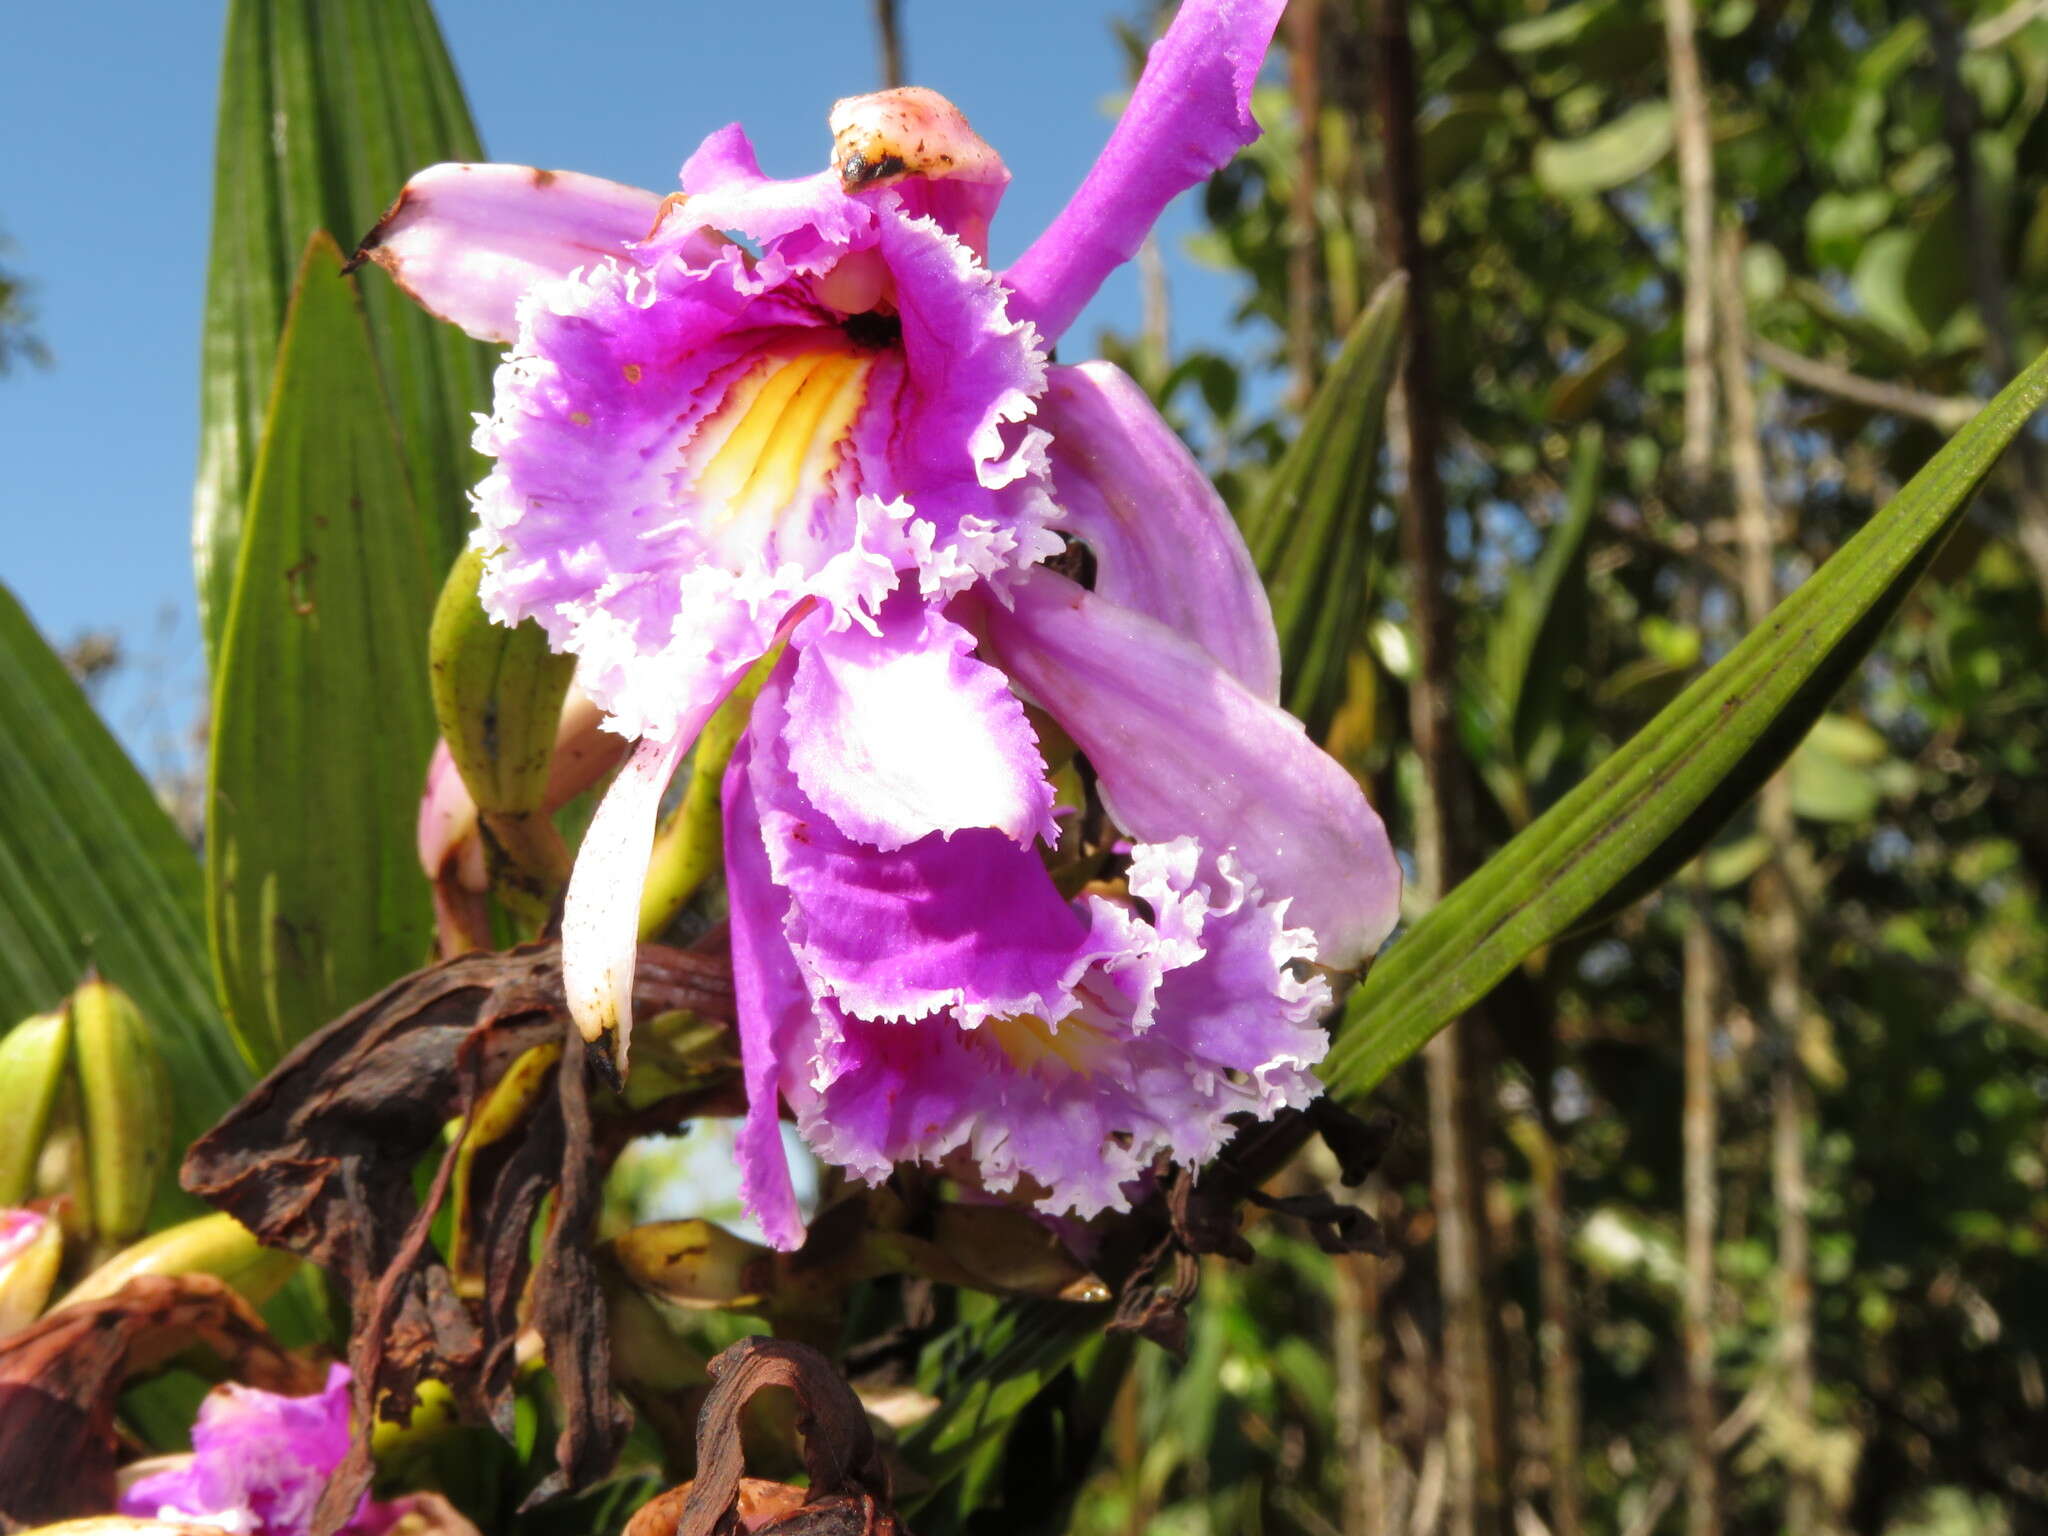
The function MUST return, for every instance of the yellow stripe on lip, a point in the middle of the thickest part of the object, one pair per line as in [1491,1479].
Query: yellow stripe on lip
[781,429]
[1030,1042]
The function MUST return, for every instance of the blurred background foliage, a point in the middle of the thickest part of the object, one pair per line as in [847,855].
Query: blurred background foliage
[1749,1232]
[1878,169]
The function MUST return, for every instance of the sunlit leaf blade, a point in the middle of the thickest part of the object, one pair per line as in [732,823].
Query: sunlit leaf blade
[322,724]
[983,1374]
[1656,801]
[326,107]
[92,872]
[1310,530]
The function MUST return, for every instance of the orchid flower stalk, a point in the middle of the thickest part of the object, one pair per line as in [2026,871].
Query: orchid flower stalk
[809,411]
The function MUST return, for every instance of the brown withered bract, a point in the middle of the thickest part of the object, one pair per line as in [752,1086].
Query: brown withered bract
[319,1160]
[849,1492]
[60,1377]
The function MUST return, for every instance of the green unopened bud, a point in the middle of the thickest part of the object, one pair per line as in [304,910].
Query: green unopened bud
[33,1056]
[498,695]
[215,1245]
[690,846]
[31,1253]
[125,1109]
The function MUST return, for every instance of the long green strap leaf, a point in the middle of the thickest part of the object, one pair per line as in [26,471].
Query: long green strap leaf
[92,872]
[326,107]
[1309,531]
[1659,798]
[322,724]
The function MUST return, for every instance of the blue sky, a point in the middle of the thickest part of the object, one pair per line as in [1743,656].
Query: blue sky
[104,191]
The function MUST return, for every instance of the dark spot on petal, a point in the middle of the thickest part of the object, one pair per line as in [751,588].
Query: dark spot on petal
[543,178]
[856,170]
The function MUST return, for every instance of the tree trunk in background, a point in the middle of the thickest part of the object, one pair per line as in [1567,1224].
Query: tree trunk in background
[1776,936]
[1304,60]
[2027,477]
[1694,143]
[1359,1409]
[1475,1447]
[1702,1134]
[1556,1333]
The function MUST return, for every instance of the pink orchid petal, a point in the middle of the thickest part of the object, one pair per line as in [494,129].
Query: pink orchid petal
[469,241]
[773,1007]
[970,922]
[1164,543]
[1191,112]
[1182,749]
[903,733]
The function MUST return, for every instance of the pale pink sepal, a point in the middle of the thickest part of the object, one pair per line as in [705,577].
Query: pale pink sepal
[468,241]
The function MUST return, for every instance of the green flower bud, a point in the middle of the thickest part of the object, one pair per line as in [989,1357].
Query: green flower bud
[33,1056]
[216,1245]
[125,1108]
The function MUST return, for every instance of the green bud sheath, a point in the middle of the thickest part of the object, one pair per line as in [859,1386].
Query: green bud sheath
[33,1056]
[497,694]
[126,1108]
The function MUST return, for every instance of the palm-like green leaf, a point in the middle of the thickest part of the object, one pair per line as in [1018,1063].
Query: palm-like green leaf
[322,722]
[1658,800]
[326,107]
[92,872]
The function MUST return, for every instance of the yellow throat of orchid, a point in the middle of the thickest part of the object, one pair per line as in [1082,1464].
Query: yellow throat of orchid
[777,438]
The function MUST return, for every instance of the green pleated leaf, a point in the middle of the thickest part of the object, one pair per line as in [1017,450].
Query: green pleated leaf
[322,723]
[1659,799]
[1310,530]
[326,107]
[92,872]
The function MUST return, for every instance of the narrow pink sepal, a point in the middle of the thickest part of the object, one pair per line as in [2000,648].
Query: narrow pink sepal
[1191,112]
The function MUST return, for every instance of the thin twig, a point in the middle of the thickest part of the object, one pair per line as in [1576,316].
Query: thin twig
[1947,412]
